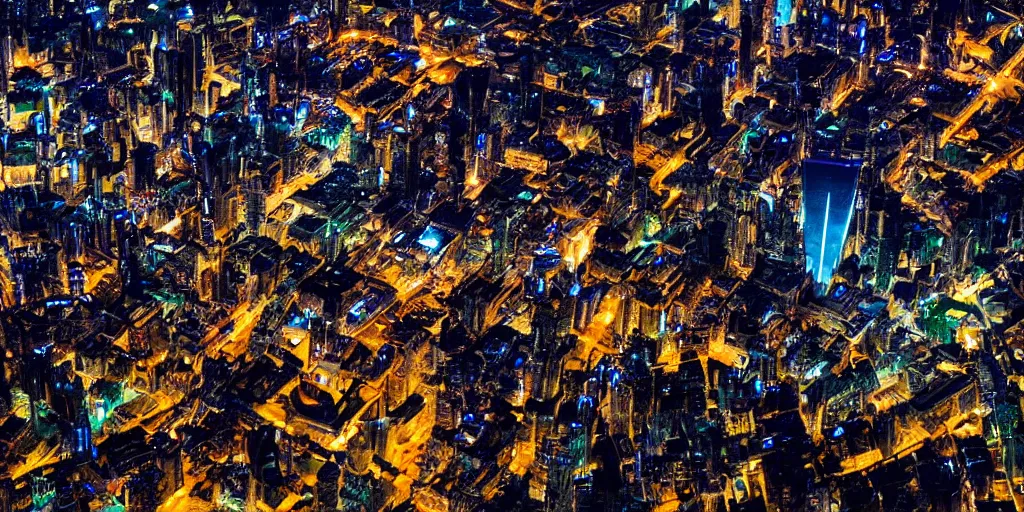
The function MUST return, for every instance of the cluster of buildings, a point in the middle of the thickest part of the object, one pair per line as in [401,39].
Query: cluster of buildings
[502,255]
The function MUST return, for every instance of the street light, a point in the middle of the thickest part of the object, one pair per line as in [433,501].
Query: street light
[327,324]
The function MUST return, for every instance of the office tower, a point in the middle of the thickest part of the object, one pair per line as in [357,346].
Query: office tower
[169,463]
[265,459]
[144,166]
[653,16]
[887,234]
[467,120]
[37,378]
[710,77]
[829,191]
[404,163]
[255,201]
[81,438]
[743,240]
[746,49]
[128,242]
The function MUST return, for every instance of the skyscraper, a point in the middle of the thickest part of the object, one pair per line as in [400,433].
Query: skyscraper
[829,189]
[255,202]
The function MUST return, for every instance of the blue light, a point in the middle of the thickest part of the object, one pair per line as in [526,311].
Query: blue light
[838,432]
[768,443]
[830,189]
[584,400]
[769,200]
[431,238]
[357,307]
[546,250]
[758,386]
[575,290]
[784,12]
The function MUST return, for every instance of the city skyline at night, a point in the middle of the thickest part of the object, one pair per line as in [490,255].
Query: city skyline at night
[511,256]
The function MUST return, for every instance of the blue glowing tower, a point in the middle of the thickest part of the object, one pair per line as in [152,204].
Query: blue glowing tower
[829,191]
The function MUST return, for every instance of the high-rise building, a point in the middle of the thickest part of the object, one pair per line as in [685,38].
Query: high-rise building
[829,190]
[404,164]
[255,203]
[745,63]
[470,93]
[886,230]
[652,18]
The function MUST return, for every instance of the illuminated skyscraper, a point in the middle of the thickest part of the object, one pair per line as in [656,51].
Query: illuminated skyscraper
[255,203]
[652,18]
[829,189]
[886,233]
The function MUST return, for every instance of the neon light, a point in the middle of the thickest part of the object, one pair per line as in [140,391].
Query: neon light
[824,236]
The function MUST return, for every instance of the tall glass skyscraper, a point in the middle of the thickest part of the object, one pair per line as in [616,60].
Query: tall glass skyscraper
[829,191]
